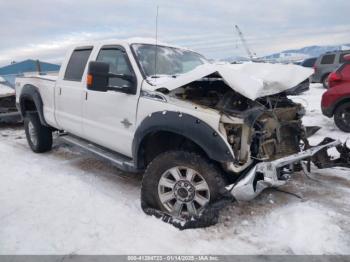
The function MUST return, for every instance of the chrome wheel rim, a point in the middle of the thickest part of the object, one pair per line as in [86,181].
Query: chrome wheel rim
[183,192]
[32,133]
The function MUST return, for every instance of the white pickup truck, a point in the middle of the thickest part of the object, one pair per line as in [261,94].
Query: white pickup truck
[196,130]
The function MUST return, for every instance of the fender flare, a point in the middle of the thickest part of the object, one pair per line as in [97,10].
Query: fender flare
[30,92]
[185,125]
[343,100]
[337,103]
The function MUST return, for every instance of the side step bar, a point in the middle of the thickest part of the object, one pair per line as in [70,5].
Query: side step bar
[122,162]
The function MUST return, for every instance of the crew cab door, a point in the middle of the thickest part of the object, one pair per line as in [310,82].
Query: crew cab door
[109,117]
[70,91]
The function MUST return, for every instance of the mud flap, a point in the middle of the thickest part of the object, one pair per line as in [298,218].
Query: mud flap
[208,217]
[323,160]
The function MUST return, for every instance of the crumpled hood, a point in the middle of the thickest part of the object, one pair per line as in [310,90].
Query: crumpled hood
[6,91]
[252,80]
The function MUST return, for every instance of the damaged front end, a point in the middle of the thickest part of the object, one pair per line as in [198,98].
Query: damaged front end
[267,137]
[273,173]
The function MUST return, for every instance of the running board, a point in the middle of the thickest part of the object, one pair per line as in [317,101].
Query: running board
[122,162]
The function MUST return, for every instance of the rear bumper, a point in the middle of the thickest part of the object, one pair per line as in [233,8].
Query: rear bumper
[327,111]
[267,174]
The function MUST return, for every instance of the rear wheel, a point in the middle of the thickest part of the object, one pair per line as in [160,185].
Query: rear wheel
[342,117]
[325,81]
[181,184]
[39,137]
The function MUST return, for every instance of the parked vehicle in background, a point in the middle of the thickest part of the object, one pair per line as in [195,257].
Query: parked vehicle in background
[336,101]
[309,62]
[327,63]
[8,110]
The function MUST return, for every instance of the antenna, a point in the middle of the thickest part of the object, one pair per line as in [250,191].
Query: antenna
[156,51]
[38,66]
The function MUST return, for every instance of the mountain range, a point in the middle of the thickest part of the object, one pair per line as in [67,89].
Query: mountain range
[292,55]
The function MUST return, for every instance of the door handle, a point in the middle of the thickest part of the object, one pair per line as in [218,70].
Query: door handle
[86,95]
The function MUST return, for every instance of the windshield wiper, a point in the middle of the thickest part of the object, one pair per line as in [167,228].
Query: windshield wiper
[159,76]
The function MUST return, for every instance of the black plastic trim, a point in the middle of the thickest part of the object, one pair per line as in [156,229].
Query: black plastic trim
[185,125]
[329,111]
[30,92]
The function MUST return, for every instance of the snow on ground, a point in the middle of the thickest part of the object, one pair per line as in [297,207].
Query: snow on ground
[68,202]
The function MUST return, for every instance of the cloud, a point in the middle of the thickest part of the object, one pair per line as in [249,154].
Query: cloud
[44,29]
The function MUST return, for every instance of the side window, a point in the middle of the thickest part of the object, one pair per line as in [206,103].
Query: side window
[327,59]
[341,58]
[77,63]
[118,64]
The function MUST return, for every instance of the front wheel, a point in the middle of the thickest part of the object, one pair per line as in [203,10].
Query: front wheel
[181,184]
[39,137]
[342,117]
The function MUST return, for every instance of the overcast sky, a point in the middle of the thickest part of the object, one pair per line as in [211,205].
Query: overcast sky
[45,28]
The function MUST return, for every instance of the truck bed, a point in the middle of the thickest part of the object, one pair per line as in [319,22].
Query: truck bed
[45,84]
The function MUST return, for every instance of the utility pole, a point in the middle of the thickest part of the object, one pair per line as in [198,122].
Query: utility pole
[251,55]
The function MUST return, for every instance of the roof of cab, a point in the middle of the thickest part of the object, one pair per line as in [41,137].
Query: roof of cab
[130,41]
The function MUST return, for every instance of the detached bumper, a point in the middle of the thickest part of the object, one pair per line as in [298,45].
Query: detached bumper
[267,174]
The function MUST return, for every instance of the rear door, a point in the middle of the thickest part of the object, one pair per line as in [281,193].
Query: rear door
[109,117]
[70,92]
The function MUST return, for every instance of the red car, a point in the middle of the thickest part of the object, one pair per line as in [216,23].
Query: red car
[336,101]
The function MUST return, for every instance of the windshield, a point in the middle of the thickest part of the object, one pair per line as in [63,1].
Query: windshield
[169,61]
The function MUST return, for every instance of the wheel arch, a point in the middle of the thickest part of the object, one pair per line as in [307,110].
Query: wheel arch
[340,102]
[176,129]
[30,101]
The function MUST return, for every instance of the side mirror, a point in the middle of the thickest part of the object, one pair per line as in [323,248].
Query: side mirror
[347,58]
[97,78]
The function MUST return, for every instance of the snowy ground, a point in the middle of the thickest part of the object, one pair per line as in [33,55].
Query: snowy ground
[66,202]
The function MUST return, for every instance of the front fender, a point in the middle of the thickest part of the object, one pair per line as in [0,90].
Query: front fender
[188,126]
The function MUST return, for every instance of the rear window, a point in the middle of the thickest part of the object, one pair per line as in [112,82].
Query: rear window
[327,59]
[309,62]
[341,58]
[77,63]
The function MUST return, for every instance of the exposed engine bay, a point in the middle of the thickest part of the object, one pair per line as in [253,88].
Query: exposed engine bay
[266,129]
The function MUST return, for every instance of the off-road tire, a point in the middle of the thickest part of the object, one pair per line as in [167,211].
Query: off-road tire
[325,81]
[42,134]
[338,119]
[170,159]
